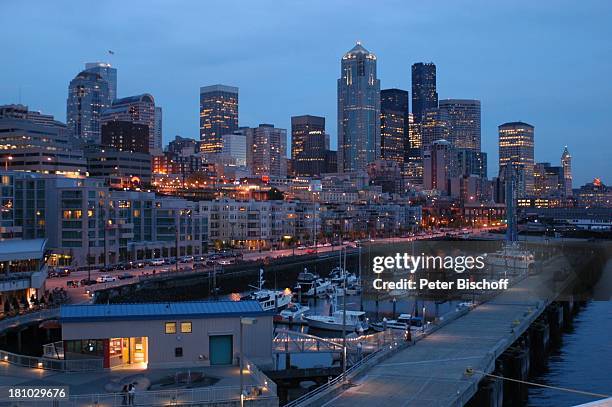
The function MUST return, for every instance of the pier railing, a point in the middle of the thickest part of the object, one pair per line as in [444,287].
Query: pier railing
[62,365]
[29,317]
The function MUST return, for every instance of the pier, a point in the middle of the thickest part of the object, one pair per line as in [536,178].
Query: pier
[446,367]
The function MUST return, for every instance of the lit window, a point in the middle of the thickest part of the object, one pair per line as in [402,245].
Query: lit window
[186,327]
[170,327]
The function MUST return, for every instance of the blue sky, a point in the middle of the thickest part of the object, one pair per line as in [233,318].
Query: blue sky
[544,62]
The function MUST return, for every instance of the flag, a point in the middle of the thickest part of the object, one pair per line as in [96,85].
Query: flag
[111,52]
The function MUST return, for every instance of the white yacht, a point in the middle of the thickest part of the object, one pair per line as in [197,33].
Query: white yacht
[338,275]
[311,284]
[294,311]
[269,299]
[401,323]
[355,321]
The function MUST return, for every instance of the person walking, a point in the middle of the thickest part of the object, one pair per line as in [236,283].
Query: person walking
[131,393]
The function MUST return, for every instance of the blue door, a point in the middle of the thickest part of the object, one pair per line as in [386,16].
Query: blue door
[220,349]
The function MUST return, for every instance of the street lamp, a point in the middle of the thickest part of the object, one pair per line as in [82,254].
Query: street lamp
[243,321]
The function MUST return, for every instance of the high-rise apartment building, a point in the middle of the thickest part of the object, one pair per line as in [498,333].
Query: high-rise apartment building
[439,166]
[126,136]
[267,151]
[218,115]
[235,146]
[463,121]
[87,97]
[108,73]
[158,135]
[139,109]
[516,145]
[394,125]
[566,164]
[358,110]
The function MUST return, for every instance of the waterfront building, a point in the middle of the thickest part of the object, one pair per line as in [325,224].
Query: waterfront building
[23,272]
[108,73]
[126,136]
[387,175]
[394,125]
[594,194]
[22,196]
[168,334]
[566,164]
[218,115]
[267,152]
[358,110]
[463,118]
[30,141]
[253,225]
[87,223]
[88,96]
[139,109]
[184,146]
[516,146]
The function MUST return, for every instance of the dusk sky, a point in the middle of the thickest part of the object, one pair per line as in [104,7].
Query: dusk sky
[544,62]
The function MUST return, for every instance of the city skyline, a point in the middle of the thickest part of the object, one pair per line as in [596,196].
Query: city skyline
[507,93]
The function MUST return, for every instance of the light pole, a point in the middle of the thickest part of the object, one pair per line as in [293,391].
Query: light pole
[243,321]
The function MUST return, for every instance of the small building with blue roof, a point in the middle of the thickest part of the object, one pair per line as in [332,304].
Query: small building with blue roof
[172,334]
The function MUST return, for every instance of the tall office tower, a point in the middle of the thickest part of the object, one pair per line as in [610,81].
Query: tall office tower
[394,125]
[138,109]
[566,163]
[438,166]
[358,110]
[218,115]
[267,151]
[87,98]
[548,181]
[463,117]
[435,125]
[470,162]
[108,73]
[309,146]
[235,146]
[516,143]
[424,94]
[158,142]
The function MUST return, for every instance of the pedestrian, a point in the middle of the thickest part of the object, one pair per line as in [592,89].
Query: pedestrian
[124,393]
[131,393]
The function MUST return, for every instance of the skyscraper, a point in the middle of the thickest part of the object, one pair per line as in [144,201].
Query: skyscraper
[235,146]
[87,98]
[108,73]
[566,163]
[424,94]
[463,116]
[267,151]
[309,146]
[516,142]
[158,142]
[358,110]
[138,109]
[435,125]
[126,136]
[394,125]
[218,115]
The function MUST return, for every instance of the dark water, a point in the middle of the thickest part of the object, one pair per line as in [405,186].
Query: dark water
[583,362]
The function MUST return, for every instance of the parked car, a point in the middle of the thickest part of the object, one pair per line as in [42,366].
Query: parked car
[302,247]
[157,262]
[88,282]
[106,279]
[72,283]
[125,276]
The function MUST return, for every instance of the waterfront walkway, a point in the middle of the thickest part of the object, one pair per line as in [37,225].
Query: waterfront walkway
[433,372]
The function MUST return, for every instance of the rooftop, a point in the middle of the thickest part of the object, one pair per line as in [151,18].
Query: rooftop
[159,310]
[17,249]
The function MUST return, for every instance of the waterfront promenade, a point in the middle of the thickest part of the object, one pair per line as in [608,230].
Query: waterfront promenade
[434,371]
